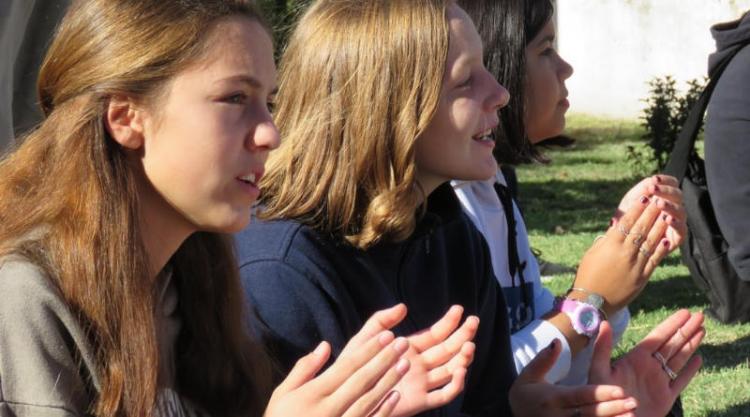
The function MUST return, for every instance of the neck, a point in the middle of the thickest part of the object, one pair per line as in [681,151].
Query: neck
[163,229]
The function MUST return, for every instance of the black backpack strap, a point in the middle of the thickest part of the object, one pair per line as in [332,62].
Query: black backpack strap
[678,158]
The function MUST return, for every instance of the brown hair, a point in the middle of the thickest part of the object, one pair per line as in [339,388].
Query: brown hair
[68,203]
[359,82]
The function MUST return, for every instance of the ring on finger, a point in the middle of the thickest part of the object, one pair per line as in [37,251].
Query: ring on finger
[663,362]
[643,249]
[622,229]
[638,239]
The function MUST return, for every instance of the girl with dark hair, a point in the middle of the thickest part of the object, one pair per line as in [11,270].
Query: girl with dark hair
[519,35]
[120,291]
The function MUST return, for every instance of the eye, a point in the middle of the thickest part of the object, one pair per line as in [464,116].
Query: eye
[235,98]
[271,104]
[465,83]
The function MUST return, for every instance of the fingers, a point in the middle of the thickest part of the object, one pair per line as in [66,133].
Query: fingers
[443,374]
[376,398]
[305,369]
[378,322]
[386,408]
[346,364]
[361,381]
[664,331]
[600,360]
[540,365]
[578,396]
[443,352]
[644,223]
[686,374]
[622,229]
[447,393]
[608,408]
[655,248]
[439,331]
[684,342]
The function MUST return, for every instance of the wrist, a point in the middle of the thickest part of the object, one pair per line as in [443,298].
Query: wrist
[581,293]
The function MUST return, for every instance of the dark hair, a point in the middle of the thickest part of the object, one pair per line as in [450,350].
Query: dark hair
[506,27]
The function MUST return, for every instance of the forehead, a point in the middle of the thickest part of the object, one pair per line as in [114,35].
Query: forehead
[465,43]
[237,46]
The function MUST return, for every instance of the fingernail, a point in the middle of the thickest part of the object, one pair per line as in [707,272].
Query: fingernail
[400,345]
[611,222]
[644,200]
[551,346]
[664,217]
[656,188]
[393,397]
[320,349]
[631,404]
[665,242]
[402,366]
[658,179]
[385,338]
[616,393]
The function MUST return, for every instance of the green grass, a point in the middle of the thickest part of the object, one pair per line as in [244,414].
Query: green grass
[570,201]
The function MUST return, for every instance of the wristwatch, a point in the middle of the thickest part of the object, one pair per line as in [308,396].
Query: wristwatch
[584,317]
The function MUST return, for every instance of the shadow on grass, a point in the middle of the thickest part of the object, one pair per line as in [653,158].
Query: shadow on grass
[739,410]
[583,206]
[672,293]
[726,355]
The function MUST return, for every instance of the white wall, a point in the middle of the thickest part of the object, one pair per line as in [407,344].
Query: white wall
[616,46]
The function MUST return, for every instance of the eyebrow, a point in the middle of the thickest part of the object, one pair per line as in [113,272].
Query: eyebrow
[548,38]
[251,81]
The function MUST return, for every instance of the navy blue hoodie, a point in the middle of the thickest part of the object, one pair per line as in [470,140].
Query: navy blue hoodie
[306,287]
[728,142]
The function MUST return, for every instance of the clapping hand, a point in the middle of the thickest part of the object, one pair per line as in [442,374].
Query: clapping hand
[532,396]
[360,383]
[658,368]
[667,190]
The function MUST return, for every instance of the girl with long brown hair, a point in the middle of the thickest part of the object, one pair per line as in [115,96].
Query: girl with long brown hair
[381,103]
[119,290]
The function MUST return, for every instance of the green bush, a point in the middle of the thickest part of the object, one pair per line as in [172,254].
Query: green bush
[665,113]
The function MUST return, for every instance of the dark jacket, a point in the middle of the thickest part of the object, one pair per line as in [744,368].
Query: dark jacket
[26,29]
[728,142]
[307,287]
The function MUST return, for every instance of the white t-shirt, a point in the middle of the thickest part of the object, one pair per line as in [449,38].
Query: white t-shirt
[526,297]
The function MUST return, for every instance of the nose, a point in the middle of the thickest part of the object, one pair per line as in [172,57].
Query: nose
[265,136]
[499,98]
[566,70]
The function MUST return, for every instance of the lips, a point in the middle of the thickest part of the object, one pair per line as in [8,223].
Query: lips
[485,135]
[252,178]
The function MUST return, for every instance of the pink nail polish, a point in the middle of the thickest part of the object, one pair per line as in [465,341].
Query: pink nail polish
[665,242]
[644,200]
[658,179]
[656,188]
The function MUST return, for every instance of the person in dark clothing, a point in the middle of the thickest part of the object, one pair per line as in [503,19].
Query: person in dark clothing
[357,213]
[26,28]
[727,141]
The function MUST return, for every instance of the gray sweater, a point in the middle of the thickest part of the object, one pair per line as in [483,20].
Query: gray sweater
[47,365]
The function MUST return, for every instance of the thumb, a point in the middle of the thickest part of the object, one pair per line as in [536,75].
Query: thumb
[542,363]
[600,360]
[305,369]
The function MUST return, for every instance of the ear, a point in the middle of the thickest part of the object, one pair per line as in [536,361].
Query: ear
[124,122]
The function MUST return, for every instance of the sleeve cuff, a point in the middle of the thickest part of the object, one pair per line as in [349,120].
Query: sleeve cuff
[534,338]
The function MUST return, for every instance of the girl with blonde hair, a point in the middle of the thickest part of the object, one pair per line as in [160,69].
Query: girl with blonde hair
[381,103]
[120,291]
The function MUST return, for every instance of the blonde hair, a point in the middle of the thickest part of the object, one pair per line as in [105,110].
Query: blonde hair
[68,203]
[359,82]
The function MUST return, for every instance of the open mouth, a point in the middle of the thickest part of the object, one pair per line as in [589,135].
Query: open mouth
[248,179]
[485,136]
